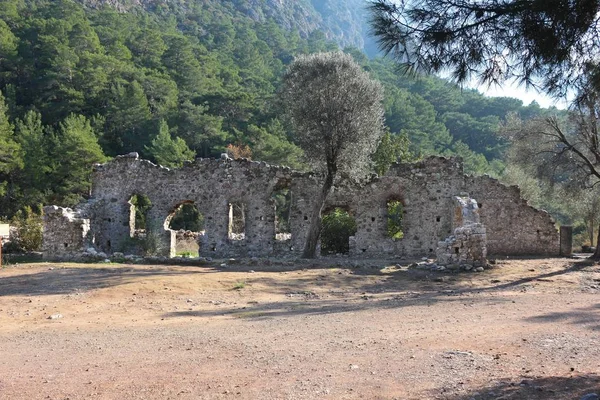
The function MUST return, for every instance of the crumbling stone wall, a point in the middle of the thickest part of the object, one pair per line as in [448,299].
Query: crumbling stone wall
[467,246]
[513,226]
[66,234]
[426,190]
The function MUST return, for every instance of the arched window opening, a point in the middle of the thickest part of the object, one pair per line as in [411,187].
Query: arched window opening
[338,227]
[237,221]
[395,215]
[188,223]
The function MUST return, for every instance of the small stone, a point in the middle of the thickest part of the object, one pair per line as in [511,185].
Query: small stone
[251,271]
[55,316]
[354,366]
[189,300]
[223,265]
[590,396]
[479,269]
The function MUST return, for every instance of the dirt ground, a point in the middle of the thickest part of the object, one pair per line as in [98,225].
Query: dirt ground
[528,329]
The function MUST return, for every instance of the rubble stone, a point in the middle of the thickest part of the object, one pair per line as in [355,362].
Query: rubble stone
[426,189]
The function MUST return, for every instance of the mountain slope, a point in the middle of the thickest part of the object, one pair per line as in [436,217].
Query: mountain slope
[342,21]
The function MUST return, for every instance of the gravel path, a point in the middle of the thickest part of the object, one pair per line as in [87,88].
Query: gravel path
[528,329]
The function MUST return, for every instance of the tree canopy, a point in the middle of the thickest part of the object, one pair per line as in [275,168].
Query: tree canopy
[534,41]
[337,113]
[211,73]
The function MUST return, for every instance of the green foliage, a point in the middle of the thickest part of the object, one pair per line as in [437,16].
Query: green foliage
[391,149]
[74,149]
[151,243]
[142,205]
[187,218]
[492,41]
[335,108]
[270,144]
[28,226]
[167,151]
[73,75]
[338,226]
[10,155]
[283,201]
[395,214]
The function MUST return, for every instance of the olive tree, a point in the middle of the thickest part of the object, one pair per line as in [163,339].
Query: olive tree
[337,114]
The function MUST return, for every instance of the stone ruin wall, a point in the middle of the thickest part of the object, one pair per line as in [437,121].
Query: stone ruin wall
[426,189]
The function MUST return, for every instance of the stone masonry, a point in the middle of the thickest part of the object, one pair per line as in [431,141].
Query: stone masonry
[426,189]
[467,246]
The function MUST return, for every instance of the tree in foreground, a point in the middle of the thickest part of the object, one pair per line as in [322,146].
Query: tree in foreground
[563,151]
[337,113]
[493,40]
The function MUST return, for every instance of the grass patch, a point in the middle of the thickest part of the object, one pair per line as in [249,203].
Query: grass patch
[188,254]
[239,285]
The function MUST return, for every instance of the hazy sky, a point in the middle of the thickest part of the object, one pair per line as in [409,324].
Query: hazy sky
[527,96]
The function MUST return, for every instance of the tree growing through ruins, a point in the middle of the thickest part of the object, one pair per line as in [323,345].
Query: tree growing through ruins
[337,114]
[563,151]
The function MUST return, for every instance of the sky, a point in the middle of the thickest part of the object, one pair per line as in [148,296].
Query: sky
[509,89]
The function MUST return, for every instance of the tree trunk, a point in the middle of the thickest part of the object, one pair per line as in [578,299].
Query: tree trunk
[596,255]
[591,230]
[314,231]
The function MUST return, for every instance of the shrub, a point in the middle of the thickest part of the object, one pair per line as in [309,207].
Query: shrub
[27,233]
[338,226]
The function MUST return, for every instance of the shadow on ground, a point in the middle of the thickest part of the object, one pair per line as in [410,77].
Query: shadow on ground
[543,388]
[65,280]
[589,316]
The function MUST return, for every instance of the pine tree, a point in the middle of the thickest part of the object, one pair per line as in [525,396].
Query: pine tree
[10,151]
[167,151]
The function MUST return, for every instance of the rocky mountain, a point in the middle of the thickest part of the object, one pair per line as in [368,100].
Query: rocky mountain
[342,21]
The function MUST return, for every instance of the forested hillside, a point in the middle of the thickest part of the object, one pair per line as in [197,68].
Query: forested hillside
[83,82]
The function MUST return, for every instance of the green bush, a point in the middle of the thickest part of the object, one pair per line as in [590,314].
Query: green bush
[187,218]
[395,213]
[28,233]
[151,243]
[338,226]
[142,204]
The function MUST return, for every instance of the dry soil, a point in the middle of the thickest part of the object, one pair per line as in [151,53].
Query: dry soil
[527,329]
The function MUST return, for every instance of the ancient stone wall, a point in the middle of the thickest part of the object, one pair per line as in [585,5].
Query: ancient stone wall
[66,234]
[467,246]
[425,189]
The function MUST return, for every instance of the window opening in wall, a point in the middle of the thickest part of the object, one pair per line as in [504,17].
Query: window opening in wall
[139,205]
[282,200]
[237,221]
[338,226]
[395,215]
[188,223]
